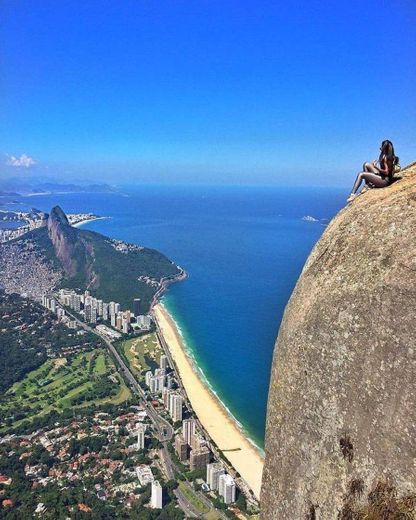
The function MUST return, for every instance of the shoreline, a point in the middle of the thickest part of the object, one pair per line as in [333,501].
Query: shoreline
[82,222]
[220,425]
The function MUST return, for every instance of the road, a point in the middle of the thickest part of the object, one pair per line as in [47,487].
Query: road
[164,429]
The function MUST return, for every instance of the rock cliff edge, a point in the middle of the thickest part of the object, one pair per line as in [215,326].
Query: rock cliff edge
[341,421]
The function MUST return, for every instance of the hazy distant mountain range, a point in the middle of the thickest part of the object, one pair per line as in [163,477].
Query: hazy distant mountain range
[15,187]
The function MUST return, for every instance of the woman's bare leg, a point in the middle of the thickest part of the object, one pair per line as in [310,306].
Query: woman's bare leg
[370,178]
[369,167]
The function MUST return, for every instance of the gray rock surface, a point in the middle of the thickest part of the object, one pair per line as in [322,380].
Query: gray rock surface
[342,402]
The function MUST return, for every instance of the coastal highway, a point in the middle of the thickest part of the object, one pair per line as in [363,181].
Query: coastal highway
[163,428]
[242,484]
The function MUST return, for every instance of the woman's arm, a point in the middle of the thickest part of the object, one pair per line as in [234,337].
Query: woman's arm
[383,169]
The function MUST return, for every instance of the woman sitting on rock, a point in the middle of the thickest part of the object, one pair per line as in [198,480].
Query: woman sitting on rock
[377,174]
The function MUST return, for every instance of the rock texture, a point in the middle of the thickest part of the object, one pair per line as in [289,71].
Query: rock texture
[341,420]
[73,251]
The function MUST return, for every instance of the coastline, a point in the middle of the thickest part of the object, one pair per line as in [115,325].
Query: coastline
[216,420]
[82,222]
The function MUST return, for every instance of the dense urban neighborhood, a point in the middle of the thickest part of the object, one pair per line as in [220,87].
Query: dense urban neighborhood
[94,419]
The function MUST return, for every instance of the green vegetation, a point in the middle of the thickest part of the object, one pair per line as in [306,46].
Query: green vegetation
[119,272]
[28,333]
[141,353]
[191,496]
[62,384]
[381,502]
[95,261]
[212,515]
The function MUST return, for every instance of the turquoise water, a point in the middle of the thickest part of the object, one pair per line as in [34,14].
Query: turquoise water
[243,249]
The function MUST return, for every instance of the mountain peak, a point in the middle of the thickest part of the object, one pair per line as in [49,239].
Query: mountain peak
[65,240]
[58,215]
[342,402]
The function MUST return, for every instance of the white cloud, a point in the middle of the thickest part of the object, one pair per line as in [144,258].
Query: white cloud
[24,161]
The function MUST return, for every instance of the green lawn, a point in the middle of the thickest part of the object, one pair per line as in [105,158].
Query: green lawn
[212,515]
[100,365]
[190,495]
[142,353]
[57,383]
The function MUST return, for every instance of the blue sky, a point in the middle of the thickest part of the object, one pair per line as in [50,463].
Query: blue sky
[205,91]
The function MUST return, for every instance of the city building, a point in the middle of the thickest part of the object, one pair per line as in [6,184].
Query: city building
[90,314]
[105,311]
[188,430]
[106,331]
[166,393]
[214,471]
[141,428]
[125,324]
[156,499]
[144,321]
[175,407]
[163,363]
[137,307]
[147,377]
[119,321]
[117,308]
[197,442]
[199,458]
[144,474]
[181,448]
[226,488]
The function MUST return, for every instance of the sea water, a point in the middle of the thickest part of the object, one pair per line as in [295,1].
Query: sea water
[243,249]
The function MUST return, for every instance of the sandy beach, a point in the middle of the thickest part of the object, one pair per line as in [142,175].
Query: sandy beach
[212,414]
[82,222]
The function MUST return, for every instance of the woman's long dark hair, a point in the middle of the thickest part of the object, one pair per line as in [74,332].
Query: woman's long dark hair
[387,151]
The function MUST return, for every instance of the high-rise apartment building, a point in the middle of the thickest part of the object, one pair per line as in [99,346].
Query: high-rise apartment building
[90,314]
[199,458]
[148,376]
[163,363]
[156,499]
[113,320]
[226,488]
[214,471]
[137,307]
[175,407]
[181,448]
[188,430]
[141,428]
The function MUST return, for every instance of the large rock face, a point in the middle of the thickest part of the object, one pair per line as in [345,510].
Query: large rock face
[74,252]
[63,238]
[341,421]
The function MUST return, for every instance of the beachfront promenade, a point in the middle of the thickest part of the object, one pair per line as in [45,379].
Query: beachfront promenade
[216,421]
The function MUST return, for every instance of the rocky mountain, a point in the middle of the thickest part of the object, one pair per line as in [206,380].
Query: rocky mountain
[59,255]
[341,420]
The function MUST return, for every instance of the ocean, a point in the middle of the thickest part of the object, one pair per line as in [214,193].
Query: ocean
[243,249]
